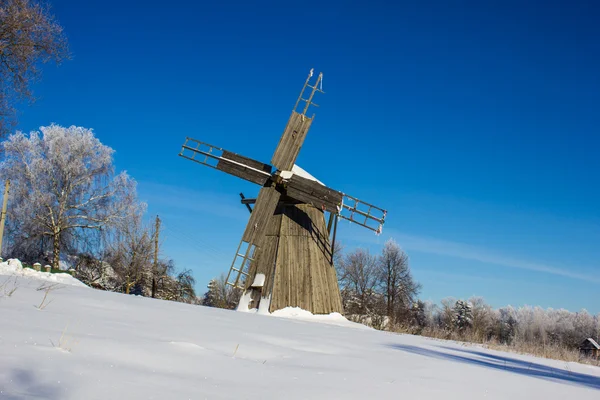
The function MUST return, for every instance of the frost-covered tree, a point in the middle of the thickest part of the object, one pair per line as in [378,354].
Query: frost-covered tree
[220,294]
[506,325]
[585,326]
[532,325]
[211,297]
[418,316]
[63,184]
[29,36]
[463,315]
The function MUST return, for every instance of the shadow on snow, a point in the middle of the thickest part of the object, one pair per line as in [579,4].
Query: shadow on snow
[522,367]
[25,384]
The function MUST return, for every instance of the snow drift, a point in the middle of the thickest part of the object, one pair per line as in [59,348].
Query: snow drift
[14,267]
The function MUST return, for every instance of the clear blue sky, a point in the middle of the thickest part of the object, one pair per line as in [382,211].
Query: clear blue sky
[475,124]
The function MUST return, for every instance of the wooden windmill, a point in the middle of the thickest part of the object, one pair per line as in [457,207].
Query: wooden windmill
[285,257]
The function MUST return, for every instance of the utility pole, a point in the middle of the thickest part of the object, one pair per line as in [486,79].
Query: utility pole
[3,217]
[155,268]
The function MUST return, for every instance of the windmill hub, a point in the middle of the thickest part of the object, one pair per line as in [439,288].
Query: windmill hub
[285,257]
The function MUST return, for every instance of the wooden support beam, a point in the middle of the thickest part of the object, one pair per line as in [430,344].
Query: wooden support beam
[313,193]
[247,202]
[330,222]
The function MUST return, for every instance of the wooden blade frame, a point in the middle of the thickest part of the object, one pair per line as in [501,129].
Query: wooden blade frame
[362,213]
[226,161]
[296,129]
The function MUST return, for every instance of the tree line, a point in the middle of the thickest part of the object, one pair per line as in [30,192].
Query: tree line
[381,292]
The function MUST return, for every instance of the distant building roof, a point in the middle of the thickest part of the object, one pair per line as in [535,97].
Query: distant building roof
[592,342]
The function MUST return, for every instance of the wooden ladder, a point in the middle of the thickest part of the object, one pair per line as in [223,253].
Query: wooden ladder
[238,274]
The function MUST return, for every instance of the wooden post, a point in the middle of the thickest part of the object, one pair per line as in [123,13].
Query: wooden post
[3,217]
[37,266]
[331,216]
[155,268]
[335,221]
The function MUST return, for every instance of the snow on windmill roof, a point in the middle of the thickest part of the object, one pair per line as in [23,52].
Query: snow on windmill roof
[300,172]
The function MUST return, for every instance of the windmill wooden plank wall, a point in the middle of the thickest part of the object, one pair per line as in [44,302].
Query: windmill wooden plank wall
[287,260]
[295,257]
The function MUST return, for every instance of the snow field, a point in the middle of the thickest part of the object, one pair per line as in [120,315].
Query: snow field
[90,344]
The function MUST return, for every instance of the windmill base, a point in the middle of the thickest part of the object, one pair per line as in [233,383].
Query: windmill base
[293,266]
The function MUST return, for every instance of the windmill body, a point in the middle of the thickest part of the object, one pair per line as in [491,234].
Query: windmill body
[285,257]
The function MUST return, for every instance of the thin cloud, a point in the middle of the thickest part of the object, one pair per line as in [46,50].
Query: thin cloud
[460,250]
[183,199]
[430,245]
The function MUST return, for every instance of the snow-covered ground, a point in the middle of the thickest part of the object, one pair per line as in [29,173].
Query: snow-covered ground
[89,344]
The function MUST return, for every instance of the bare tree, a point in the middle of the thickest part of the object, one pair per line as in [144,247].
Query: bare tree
[129,248]
[29,35]
[446,313]
[395,279]
[482,318]
[358,276]
[63,182]
[337,254]
[185,287]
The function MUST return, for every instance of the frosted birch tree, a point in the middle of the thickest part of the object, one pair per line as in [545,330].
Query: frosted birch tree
[63,182]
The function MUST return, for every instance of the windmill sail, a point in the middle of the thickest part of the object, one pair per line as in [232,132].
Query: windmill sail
[226,161]
[291,141]
[265,205]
